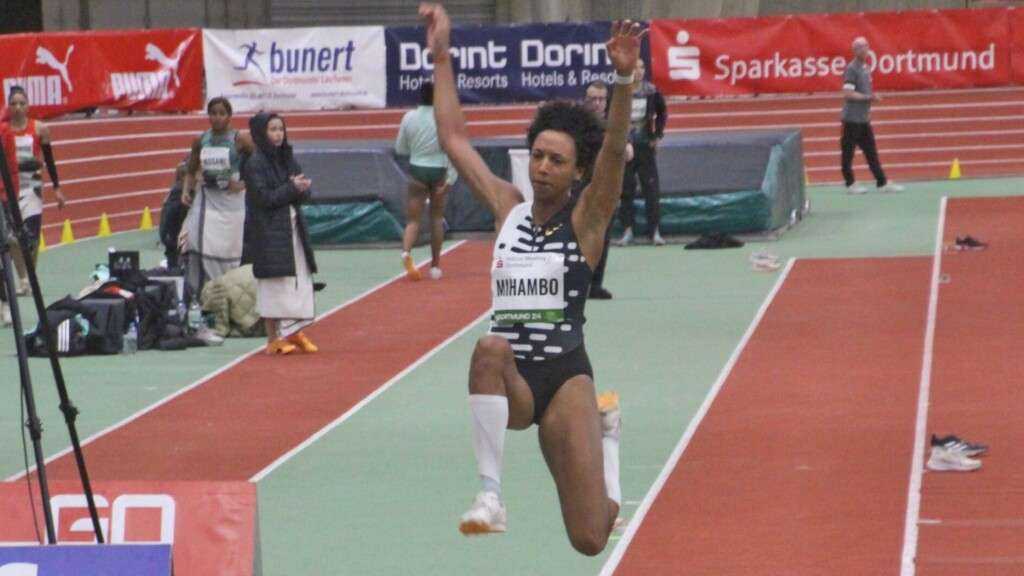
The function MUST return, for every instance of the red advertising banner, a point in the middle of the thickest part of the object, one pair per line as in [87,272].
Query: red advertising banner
[809,53]
[211,526]
[137,70]
[1017,31]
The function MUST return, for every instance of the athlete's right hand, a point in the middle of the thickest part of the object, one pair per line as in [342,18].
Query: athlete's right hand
[438,29]
[186,197]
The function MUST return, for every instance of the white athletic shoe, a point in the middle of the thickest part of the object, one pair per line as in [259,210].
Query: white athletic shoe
[657,240]
[943,460]
[485,516]
[627,238]
[892,187]
[764,262]
[856,189]
[5,314]
[435,273]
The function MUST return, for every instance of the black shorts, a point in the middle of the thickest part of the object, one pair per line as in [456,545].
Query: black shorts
[545,377]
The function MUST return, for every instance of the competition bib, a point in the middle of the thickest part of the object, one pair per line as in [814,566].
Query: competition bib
[216,162]
[528,288]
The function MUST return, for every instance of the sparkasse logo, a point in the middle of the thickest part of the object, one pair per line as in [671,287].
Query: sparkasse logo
[683,60]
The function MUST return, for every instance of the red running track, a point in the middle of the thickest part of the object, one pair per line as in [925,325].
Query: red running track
[800,465]
[121,165]
[974,523]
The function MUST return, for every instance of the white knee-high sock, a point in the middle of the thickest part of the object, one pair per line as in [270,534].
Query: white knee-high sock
[610,444]
[489,419]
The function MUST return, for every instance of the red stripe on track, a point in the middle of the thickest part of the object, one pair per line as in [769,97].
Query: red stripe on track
[976,394]
[237,423]
[800,465]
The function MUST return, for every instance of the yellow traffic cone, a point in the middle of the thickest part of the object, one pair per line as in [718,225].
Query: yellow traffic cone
[67,236]
[42,242]
[147,220]
[954,170]
[104,226]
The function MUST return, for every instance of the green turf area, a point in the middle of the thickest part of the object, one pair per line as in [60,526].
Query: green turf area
[381,493]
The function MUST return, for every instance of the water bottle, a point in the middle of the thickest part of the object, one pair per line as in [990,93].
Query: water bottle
[195,316]
[131,339]
[181,312]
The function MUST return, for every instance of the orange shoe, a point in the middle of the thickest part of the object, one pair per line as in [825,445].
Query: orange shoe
[410,267]
[304,343]
[280,347]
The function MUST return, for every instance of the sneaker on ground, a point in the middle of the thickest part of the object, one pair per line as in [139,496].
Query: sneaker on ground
[5,314]
[627,238]
[485,516]
[611,415]
[970,243]
[956,444]
[943,460]
[657,240]
[209,337]
[892,187]
[24,288]
[410,267]
[599,293]
[764,262]
[435,273]
[856,189]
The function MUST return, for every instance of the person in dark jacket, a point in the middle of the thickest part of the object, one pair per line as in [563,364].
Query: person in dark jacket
[648,127]
[276,240]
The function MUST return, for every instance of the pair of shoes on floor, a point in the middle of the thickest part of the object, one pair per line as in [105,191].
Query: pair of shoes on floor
[969,243]
[858,189]
[765,262]
[297,341]
[952,454]
[487,514]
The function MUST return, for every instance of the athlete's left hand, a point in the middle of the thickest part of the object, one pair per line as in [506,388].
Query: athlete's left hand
[61,200]
[624,46]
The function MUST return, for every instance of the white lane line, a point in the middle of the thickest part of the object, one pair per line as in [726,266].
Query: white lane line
[889,151]
[90,199]
[834,110]
[365,401]
[222,369]
[956,134]
[910,526]
[128,156]
[860,165]
[111,216]
[634,524]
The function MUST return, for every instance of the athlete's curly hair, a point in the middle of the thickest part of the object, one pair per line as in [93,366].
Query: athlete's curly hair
[578,122]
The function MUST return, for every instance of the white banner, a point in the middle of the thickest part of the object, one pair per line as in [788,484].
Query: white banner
[296,68]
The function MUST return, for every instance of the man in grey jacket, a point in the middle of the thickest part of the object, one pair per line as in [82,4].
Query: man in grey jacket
[858,96]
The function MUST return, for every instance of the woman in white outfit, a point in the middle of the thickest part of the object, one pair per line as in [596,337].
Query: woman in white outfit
[276,240]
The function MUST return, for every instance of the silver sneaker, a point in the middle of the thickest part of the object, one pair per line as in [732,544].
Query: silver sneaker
[944,460]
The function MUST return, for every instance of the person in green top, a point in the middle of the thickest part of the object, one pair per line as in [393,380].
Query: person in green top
[430,177]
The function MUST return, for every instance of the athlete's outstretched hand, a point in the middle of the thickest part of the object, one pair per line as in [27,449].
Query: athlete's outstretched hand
[624,45]
[438,29]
